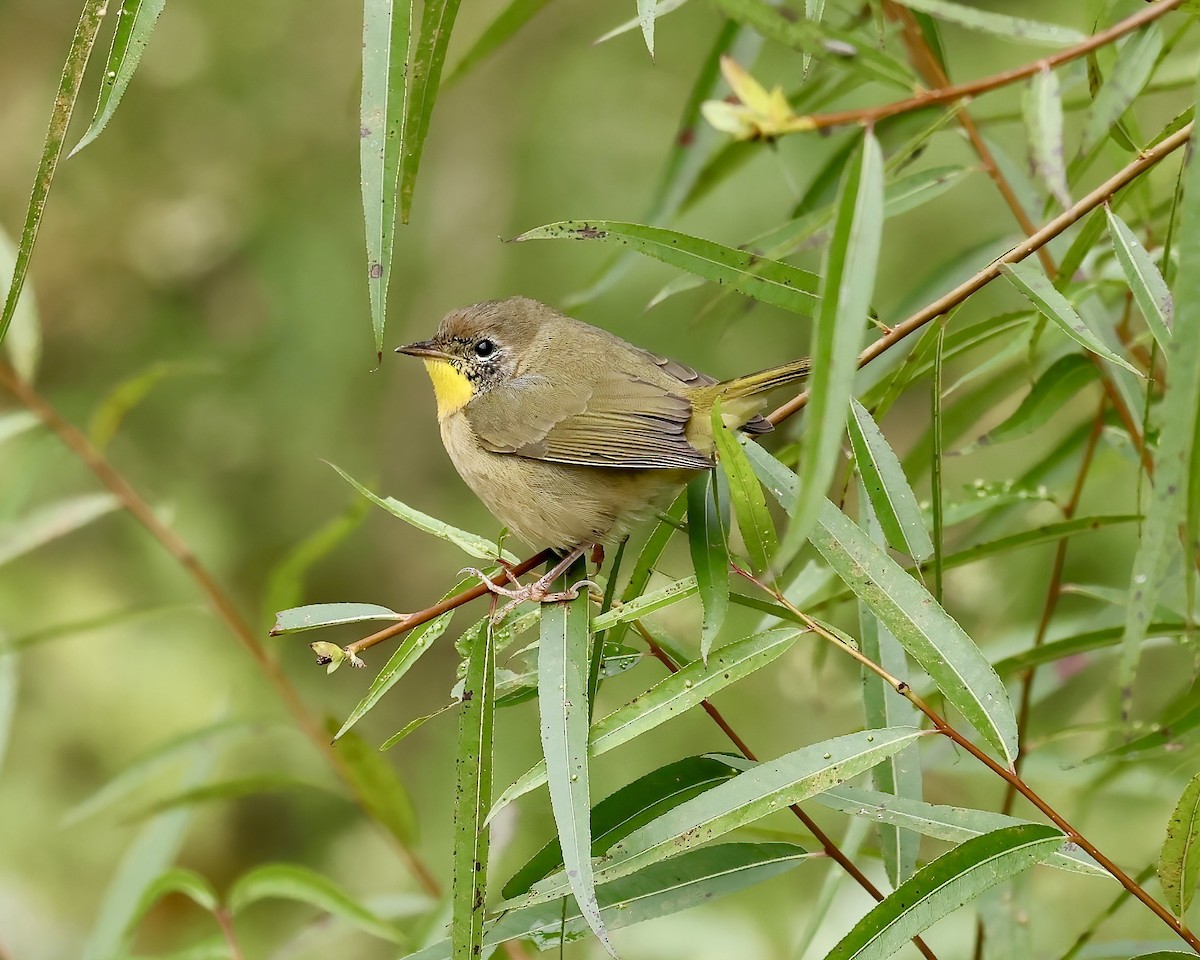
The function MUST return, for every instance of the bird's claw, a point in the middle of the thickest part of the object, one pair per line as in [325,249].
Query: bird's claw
[536,592]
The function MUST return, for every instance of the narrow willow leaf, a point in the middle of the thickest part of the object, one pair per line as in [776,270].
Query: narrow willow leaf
[378,787]
[695,878]
[24,341]
[1150,290]
[410,650]
[708,542]
[45,524]
[425,74]
[60,118]
[647,11]
[1050,393]
[745,495]
[146,858]
[387,26]
[316,615]
[671,697]
[147,766]
[643,568]
[818,40]
[952,824]
[941,887]
[847,285]
[1179,859]
[1038,289]
[771,281]
[1042,103]
[814,10]
[175,880]
[507,24]
[647,603]
[892,498]
[470,543]
[1135,64]
[135,23]
[899,774]
[415,724]
[289,881]
[930,635]
[997,24]
[473,795]
[107,417]
[748,797]
[634,805]
[9,678]
[1080,643]
[562,705]
[1175,460]
[231,789]
[661,9]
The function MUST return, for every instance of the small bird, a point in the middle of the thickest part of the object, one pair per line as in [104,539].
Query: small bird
[568,434]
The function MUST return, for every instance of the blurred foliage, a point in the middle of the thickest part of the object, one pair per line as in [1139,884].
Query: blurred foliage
[199,283]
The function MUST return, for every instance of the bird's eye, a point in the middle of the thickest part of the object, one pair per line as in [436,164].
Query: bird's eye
[484,349]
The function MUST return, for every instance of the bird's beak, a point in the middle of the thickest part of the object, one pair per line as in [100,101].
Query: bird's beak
[424,348]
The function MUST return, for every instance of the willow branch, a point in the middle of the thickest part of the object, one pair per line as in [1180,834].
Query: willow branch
[949,93]
[1011,777]
[221,602]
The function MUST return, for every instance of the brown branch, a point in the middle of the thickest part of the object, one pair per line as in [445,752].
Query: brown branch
[948,93]
[220,601]
[1011,777]
[830,848]
[1025,248]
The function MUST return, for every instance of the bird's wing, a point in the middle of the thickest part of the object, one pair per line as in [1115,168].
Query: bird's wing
[614,419]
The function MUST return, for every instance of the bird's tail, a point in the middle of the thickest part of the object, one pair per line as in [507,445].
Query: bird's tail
[752,384]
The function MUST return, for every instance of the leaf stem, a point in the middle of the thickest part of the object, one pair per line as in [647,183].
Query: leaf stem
[1011,777]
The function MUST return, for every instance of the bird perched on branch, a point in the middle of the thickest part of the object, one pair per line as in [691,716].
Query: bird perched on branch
[567,433]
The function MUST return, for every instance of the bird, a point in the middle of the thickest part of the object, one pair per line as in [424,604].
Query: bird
[570,435]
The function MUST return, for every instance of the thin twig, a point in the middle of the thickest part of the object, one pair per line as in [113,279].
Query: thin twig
[830,848]
[220,600]
[943,727]
[1029,245]
[225,922]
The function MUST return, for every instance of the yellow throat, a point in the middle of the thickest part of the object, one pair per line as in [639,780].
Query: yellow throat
[451,389]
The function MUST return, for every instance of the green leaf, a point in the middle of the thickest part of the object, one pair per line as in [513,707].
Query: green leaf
[671,697]
[745,494]
[383,107]
[1135,64]
[289,881]
[425,73]
[759,791]
[647,12]
[1080,643]
[410,650]
[634,805]
[470,543]
[1150,290]
[695,878]
[135,23]
[175,880]
[506,25]
[819,41]
[231,789]
[1043,109]
[952,824]
[108,416]
[1179,860]
[647,603]
[1175,459]
[930,635]
[313,616]
[146,858]
[998,24]
[771,281]
[16,423]
[661,9]
[9,679]
[24,342]
[473,794]
[45,524]
[892,498]
[60,118]
[709,546]
[562,705]
[378,787]
[847,285]
[643,568]
[1050,393]
[1039,291]
[943,886]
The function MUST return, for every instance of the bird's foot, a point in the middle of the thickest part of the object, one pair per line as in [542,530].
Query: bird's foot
[536,592]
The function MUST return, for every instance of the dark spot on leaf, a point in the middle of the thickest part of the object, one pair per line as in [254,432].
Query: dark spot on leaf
[588,232]
[364,132]
[791,16]
[468,695]
[687,136]
[376,271]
